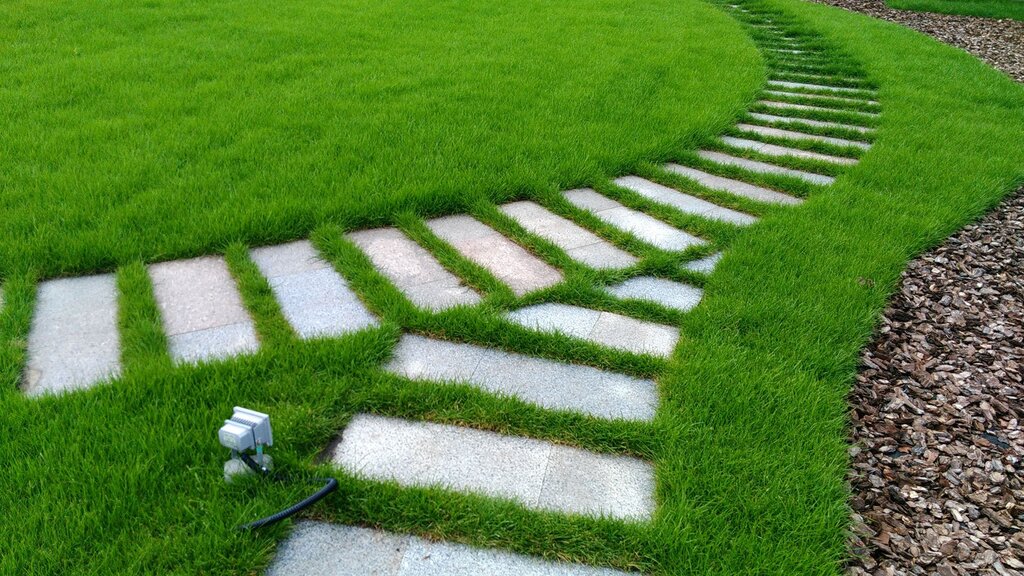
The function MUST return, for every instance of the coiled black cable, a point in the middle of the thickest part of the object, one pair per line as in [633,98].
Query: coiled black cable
[331,486]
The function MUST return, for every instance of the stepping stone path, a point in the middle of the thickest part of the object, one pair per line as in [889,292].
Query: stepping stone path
[509,262]
[413,270]
[314,299]
[74,340]
[201,309]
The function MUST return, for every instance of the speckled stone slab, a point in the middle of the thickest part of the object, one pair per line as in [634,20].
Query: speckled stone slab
[413,269]
[794,135]
[74,340]
[765,168]
[535,473]
[321,549]
[791,106]
[509,262]
[819,97]
[819,87]
[580,244]
[815,123]
[314,298]
[683,202]
[731,186]
[776,150]
[201,309]
[704,265]
[546,383]
[675,295]
[602,328]
[650,230]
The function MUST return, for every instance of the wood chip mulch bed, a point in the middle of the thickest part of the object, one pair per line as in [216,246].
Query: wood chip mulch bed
[998,42]
[937,413]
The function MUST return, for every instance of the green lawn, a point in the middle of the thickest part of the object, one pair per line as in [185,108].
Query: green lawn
[138,132]
[985,8]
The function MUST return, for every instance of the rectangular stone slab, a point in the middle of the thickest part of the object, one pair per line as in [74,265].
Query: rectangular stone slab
[74,341]
[602,328]
[314,298]
[579,243]
[675,295]
[683,202]
[816,123]
[546,383]
[534,473]
[509,262]
[782,151]
[794,135]
[818,97]
[791,106]
[820,87]
[765,168]
[413,269]
[646,228]
[201,309]
[322,549]
[731,186]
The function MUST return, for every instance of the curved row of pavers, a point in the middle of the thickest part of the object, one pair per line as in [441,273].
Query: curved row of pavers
[204,317]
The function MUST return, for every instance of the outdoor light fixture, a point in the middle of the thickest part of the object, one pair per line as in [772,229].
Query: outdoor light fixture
[248,431]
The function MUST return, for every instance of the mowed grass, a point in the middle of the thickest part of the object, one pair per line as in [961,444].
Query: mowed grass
[160,129]
[749,443]
[985,8]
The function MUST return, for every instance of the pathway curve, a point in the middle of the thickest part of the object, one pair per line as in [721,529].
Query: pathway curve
[814,119]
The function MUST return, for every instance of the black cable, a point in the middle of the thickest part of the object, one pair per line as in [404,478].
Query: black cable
[331,486]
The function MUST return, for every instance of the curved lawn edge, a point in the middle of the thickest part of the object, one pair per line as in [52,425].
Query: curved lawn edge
[753,479]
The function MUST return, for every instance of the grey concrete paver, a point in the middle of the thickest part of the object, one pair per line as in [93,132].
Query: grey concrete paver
[198,295]
[646,228]
[413,269]
[546,383]
[765,168]
[794,135]
[602,328]
[704,265]
[791,106]
[815,123]
[322,549]
[819,87]
[782,151]
[508,467]
[509,262]
[735,187]
[74,340]
[579,243]
[683,202]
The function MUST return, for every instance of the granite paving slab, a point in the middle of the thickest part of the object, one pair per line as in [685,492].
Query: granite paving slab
[683,202]
[546,383]
[815,123]
[321,549]
[735,187]
[794,135]
[600,327]
[413,269]
[74,340]
[782,151]
[646,228]
[314,298]
[819,87]
[704,265]
[579,243]
[765,168]
[819,97]
[509,262]
[790,106]
[201,310]
[535,473]
[670,294]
